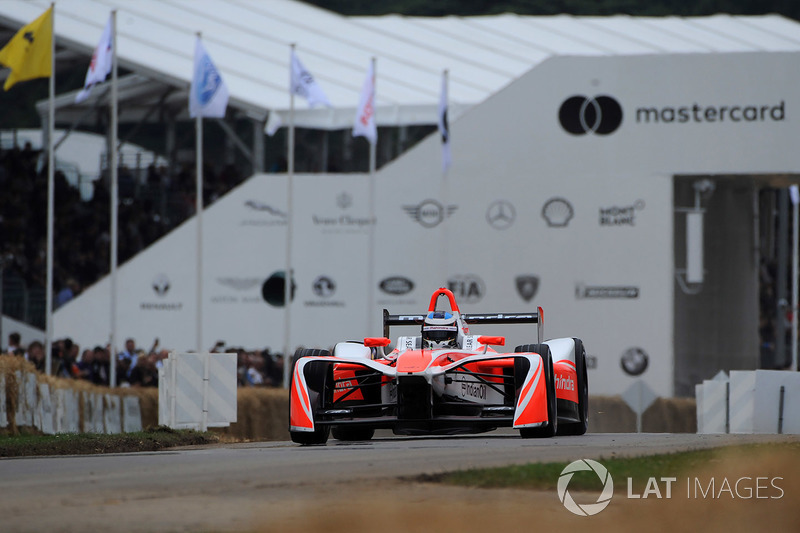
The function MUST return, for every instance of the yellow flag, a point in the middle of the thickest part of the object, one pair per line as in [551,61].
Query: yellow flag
[29,53]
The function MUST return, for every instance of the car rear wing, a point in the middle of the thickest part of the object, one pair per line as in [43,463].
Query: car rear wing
[471,319]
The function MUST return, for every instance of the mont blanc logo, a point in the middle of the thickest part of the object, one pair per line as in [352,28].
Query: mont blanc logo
[580,115]
[501,214]
[161,284]
[527,286]
[620,215]
[557,212]
[324,287]
[467,288]
[396,285]
[429,213]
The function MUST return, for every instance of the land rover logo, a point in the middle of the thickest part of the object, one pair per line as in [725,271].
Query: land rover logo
[467,288]
[396,285]
[527,287]
[501,214]
[324,287]
[580,115]
[429,213]
[161,284]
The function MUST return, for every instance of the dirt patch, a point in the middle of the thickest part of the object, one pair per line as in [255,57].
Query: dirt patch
[394,506]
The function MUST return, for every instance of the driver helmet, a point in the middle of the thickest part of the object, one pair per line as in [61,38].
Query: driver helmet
[439,330]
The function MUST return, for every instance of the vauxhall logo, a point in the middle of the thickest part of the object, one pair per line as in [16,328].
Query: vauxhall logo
[580,115]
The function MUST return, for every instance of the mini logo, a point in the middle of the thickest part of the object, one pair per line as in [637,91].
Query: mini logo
[527,286]
[324,287]
[429,213]
[501,214]
[161,284]
[620,215]
[557,212]
[587,509]
[344,200]
[467,288]
[396,285]
[579,115]
[634,361]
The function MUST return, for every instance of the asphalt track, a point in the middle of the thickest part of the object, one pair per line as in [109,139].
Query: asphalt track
[220,487]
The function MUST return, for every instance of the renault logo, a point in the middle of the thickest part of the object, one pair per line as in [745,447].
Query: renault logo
[579,115]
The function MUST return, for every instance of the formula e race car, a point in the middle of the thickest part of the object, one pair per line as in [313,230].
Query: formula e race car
[444,381]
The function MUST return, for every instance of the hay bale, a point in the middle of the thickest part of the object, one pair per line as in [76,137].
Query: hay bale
[262,414]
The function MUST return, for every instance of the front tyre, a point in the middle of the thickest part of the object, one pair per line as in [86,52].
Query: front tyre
[579,428]
[316,376]
[549,429]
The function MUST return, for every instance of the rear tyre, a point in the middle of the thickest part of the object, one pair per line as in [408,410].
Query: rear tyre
[579,428]
[549,429]
[316,375]
[352,433]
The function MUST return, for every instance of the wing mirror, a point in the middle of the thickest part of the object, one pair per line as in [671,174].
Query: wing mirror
[487,340]
[374,342]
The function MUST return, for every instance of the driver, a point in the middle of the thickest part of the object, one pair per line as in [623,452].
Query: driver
[439,330]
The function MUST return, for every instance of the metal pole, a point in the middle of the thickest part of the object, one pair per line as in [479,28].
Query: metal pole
[373,151]
[795,195]
[287,277]
[114,204]
[198,122]
[780,410]
[51,123]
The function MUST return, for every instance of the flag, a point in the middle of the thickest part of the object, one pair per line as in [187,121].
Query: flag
[365,125]
[208,95]
[444,127]
[101,64]
[29,53]
[302,83]
[274,122]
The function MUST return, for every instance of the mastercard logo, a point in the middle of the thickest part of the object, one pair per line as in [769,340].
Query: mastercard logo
[580,115]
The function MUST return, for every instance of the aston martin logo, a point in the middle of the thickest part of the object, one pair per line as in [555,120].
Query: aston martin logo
[429,213]
[240,284]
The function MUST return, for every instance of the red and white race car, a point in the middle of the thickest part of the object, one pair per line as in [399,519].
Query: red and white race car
[442,381]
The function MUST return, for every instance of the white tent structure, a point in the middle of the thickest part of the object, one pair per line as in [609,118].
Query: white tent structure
[606,169]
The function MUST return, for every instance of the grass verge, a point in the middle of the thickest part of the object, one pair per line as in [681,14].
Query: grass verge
[544,476]
[91,443]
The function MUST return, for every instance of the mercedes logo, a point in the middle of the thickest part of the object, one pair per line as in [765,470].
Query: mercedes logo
[501,214]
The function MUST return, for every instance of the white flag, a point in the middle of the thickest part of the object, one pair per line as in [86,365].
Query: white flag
[365,125]
[274,123]
[444,126]
[302,83]
[101,64]
[208,95]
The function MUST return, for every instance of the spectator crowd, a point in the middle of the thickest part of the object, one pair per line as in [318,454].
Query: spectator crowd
[135,366]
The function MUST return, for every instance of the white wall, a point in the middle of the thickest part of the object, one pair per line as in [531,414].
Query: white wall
[510,148]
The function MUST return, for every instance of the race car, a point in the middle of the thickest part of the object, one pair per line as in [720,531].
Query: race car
[444,381]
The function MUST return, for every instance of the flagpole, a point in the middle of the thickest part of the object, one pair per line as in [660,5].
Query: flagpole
[287,278]
[198,125]
[114,203]
[373,150]
[445,167]
[51,123]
